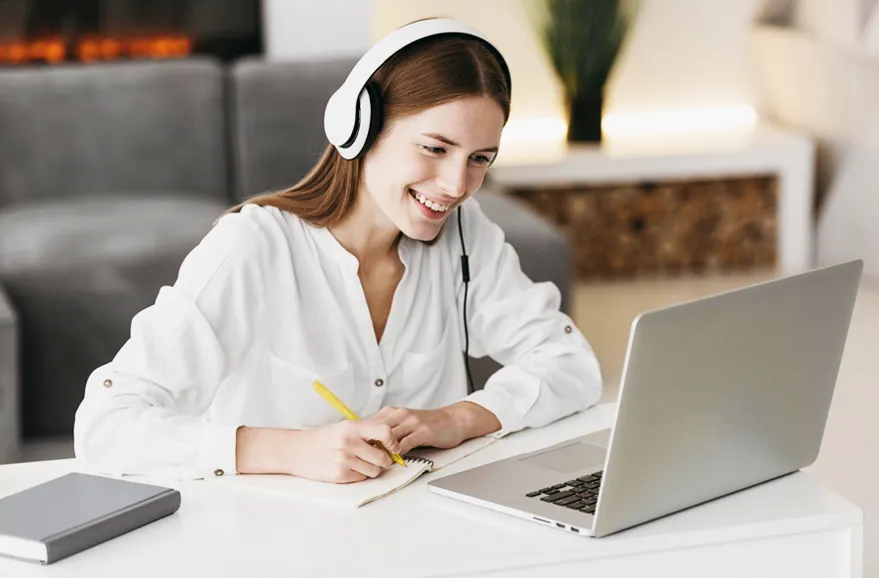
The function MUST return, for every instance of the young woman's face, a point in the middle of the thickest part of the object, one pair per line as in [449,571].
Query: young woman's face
[424,165]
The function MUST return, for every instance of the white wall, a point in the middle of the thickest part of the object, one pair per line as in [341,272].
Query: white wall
[297,29]
[686,53]
[536,90]
[836,22]
[681,53]
[847,224]
[831,93]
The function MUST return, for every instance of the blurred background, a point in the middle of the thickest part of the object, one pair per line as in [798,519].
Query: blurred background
[658,151]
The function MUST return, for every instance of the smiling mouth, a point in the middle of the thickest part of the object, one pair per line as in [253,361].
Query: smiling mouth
[432,205]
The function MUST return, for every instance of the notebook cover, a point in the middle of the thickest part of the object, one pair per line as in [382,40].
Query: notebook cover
[77,511]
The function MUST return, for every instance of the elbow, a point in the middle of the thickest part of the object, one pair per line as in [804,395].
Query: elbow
[591,382]
[95,444]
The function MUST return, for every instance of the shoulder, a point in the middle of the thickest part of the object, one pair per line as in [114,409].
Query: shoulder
[252,221]
[251,242]
[257,228]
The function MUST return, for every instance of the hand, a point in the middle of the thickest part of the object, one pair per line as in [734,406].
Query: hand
[436,428]
[337,453]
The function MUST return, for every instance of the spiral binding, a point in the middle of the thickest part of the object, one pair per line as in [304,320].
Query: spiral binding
[419,459]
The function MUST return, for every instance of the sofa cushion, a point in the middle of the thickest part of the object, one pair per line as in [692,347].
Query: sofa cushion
[77,272]
[124,128]
[70,234]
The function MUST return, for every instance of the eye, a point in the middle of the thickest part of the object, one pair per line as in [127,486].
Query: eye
[481,159]
[433,150]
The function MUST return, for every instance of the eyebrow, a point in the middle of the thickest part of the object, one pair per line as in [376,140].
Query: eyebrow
[452,143]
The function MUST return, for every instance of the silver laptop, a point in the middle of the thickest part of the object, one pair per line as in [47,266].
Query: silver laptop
[717,395]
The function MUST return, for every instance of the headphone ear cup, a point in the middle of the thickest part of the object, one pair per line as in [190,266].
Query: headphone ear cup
[376,116]
[352,148]
[367,123]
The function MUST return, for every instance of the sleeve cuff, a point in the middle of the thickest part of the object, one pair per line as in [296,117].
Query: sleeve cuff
[497,404]
[217,453]
[509,394]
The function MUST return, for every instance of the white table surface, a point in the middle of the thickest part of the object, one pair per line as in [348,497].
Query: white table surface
[791,525]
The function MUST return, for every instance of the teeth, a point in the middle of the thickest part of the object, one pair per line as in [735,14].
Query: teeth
[429,204]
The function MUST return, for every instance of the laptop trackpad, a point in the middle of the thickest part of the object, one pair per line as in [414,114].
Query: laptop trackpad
[570,458]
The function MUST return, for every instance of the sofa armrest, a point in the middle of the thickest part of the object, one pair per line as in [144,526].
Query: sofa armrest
[9,381]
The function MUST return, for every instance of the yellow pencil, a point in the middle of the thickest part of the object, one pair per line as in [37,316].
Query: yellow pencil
[343,409]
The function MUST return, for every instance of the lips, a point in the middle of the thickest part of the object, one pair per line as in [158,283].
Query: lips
[428,212]
[430,203]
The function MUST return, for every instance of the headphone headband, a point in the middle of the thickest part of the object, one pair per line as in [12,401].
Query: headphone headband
[351,110]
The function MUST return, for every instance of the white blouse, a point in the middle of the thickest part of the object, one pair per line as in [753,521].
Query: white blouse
[266,303]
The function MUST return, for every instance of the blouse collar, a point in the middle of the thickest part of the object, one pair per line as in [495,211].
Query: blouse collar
[328,242]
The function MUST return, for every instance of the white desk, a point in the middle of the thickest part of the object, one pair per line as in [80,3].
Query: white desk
[791,527]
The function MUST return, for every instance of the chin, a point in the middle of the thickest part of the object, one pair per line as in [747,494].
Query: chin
[421,232]
[419,227]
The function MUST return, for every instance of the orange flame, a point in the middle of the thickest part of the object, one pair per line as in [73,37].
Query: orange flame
[95,49]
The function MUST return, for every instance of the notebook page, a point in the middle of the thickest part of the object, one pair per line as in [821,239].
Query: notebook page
[443,458]
[351,495]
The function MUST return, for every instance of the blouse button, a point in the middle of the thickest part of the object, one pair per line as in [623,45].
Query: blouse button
[108,383]
[379,382]
[218,472]
[568,329]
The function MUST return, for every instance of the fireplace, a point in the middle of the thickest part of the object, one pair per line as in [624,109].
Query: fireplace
[34,32]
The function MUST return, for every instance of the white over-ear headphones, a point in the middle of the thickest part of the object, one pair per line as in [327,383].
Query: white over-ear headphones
[350,118]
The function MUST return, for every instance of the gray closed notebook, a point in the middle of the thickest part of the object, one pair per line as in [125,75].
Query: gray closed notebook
[76,511]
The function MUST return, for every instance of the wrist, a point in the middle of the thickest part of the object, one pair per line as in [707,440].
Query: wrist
[261,450]
[472,420]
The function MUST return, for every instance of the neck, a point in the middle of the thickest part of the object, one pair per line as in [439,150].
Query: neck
[366,233]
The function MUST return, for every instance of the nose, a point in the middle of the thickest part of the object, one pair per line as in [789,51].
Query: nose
[452,178]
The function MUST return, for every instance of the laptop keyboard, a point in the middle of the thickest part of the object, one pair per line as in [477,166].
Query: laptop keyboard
[578,494]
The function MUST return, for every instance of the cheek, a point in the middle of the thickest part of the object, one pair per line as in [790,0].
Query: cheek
[382,176]
[475,180]
[413,173]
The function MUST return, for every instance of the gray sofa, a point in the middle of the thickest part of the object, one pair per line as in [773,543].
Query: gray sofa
[9,411]
[110,174]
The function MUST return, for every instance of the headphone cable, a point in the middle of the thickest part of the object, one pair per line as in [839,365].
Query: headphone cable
[465,272]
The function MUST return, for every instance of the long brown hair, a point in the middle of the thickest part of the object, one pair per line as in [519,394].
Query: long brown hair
[425,74]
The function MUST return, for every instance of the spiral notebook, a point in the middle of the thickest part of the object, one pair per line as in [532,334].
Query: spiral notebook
[357,494]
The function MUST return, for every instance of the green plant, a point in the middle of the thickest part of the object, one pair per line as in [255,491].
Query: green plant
[582,38]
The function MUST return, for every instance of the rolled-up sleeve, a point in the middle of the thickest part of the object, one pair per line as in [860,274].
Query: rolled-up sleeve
[143,412]
[549,368]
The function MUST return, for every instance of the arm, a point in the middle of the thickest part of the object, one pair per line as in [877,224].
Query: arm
[142,412]
[550,370]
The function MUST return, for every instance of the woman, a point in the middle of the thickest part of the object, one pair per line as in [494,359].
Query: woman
[353,277]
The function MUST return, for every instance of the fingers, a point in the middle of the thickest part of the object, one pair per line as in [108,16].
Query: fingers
[405,428]
[390,415]
[367,469]
[382,414]
[349,476]
[412,441]
[373,455]
[410,431]
[381,432]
